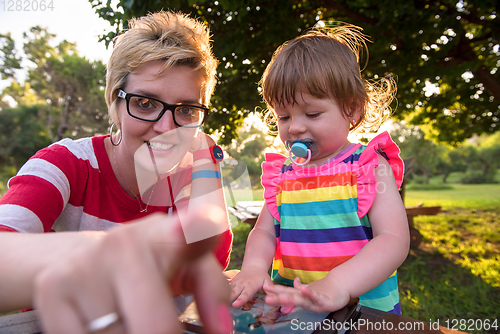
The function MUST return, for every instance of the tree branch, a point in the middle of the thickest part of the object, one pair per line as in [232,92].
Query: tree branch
[356,16]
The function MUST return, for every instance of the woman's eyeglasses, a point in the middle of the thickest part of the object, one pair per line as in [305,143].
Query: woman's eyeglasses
[151,110]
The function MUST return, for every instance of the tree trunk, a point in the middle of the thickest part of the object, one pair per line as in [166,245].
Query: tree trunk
[445,176]
[63,125]
[486,169]
[50,122]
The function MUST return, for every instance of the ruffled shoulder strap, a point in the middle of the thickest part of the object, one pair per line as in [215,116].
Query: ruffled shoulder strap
[271,169]
[382,145]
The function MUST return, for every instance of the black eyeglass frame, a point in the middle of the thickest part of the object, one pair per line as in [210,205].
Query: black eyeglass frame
[127,96]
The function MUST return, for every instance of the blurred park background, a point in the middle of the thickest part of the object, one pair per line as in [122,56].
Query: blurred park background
[444,55]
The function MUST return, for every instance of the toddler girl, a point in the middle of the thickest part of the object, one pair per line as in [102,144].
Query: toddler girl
[333,217]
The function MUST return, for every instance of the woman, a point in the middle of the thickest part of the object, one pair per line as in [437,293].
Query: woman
[160,78]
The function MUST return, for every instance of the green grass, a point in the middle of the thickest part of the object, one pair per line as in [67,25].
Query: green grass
[471,196]
[428,187]
[236,195]
[454,194]
[240,237]
[454,273]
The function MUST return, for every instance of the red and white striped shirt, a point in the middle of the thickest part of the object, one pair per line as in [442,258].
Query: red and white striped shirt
[71,186]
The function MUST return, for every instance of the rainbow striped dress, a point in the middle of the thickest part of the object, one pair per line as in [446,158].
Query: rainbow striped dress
[320,214]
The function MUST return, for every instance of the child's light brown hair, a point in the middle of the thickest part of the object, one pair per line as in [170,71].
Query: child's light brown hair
[325,63]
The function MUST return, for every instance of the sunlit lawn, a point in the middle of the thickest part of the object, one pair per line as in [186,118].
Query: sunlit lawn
[460,195]
[454,273]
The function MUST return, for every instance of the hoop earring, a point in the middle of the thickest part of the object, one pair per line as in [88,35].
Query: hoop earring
[111,135]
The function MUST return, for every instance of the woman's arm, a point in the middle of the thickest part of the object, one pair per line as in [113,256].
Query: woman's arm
[24,255]
[134,270]
[204,191]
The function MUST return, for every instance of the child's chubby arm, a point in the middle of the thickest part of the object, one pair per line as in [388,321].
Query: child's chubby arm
[376,261]
[259,253]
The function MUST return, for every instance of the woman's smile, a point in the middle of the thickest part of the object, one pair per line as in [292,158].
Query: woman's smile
[159,146]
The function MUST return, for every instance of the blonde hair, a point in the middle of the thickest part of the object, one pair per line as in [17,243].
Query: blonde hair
[325,63]
[171,37]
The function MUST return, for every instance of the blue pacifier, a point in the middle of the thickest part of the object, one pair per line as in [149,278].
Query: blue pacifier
[301,148]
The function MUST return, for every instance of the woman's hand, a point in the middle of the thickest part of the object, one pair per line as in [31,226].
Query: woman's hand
[135,270]
[319,296]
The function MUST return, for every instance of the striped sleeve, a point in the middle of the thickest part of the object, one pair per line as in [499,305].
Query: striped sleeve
[6,229]
[43,186]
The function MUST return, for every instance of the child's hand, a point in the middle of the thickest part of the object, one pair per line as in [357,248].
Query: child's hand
[245,285]
[319,296]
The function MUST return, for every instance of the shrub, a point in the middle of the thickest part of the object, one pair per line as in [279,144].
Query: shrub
[476,177]
[419,179]
[424,187]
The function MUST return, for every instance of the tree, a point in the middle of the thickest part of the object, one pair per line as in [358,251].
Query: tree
[21,135]
[9,60]
[484,157]
[424,153]
[69,89]
[249,148]
[445,53]
[451,160]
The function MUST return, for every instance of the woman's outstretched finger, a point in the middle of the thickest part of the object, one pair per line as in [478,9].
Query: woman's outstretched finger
[174,263]
[147,307]
[211,291]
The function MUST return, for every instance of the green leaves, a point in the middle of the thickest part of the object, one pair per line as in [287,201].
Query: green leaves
[22,133]
[9,60]
[452,44]
[69,87]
